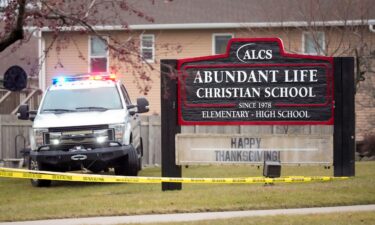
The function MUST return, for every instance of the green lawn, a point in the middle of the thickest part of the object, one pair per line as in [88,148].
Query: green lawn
[352,218]
[20,201]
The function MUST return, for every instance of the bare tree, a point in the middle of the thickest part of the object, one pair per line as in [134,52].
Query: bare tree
[350,39]
[20,19]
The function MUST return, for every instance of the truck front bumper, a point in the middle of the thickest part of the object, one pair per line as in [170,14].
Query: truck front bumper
[70,160]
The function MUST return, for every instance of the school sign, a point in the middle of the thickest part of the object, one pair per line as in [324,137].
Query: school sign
[256,82]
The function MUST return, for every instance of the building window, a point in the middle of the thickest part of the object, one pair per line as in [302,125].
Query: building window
[313,43]
[98,54]
[148,47]
[220,42]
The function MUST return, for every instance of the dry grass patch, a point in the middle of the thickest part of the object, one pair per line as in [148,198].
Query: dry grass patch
[20,201]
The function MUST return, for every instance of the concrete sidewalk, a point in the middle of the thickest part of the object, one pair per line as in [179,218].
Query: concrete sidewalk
[181,217]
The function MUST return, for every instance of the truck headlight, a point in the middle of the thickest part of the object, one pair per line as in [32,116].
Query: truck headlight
[54,138]
[101,139]
[55,141]
[101,136]
[119,131]
[39,136]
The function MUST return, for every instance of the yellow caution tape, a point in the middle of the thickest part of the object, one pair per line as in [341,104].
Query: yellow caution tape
[46,175]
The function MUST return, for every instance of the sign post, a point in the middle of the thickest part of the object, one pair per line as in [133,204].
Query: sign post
[169,126]
[344,128]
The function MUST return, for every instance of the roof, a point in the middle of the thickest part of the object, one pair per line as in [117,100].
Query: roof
[206,14]
[251,11]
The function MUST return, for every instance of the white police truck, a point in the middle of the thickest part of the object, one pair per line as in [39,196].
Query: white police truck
[85,121]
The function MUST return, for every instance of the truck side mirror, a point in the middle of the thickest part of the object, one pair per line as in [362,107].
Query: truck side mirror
[142,105]
[23,112]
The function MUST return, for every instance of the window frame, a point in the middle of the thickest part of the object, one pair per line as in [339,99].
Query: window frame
[323,47]
[214,35]
[125,95]
[143,47]
[91,57]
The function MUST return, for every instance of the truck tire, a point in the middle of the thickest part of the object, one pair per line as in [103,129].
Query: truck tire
[131,165]
[35,165]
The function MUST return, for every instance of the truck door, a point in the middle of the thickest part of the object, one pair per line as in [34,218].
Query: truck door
[134,120]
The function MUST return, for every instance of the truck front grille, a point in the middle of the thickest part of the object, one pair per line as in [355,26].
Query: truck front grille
[78,128]
[65,138]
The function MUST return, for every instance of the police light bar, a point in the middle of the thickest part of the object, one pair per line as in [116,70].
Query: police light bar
[65,79]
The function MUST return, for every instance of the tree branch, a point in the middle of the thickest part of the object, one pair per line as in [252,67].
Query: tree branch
[17,32]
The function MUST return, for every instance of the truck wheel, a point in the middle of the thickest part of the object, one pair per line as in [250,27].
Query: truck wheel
[35,165]
[130,167]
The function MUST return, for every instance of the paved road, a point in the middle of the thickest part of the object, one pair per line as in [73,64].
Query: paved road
[180,217]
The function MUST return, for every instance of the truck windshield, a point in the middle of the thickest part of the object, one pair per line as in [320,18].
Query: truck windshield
[91,99]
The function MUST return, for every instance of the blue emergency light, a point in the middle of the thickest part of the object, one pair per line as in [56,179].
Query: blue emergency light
[60,80]
[64,79]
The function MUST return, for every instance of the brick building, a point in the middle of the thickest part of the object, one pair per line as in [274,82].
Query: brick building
[192,28]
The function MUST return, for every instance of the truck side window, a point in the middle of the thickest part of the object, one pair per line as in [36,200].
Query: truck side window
[126,95]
